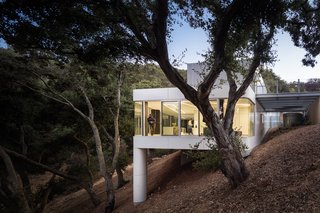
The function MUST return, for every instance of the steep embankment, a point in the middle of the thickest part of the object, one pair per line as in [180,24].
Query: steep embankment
[285,176]
[160,171]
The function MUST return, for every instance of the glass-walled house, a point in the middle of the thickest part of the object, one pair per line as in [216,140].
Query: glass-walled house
[165,119]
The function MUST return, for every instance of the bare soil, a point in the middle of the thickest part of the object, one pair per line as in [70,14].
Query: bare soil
[284,177]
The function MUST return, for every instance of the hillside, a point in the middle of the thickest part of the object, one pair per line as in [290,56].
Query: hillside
[285,176]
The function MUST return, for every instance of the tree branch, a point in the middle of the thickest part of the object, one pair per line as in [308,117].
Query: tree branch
[40,165]
[15,184]
[87,152]
[65,100]
[259,50]
[88,102]
[220,39]
[127,14]
[41,93]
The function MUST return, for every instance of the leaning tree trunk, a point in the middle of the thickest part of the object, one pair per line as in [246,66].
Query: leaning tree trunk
[21,168]
[45,195]
[121,180]
[117,140]
[88,161]
[120,176]
[14,184]
[57,172]
[103,169]
[102,163]
[232,162]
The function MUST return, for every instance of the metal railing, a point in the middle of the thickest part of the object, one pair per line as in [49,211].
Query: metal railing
[309,85]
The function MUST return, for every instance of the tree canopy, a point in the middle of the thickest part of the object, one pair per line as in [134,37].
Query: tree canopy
[241,34]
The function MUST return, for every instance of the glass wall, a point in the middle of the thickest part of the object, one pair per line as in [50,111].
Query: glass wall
[243,120]
[214,105]
[189,119]
[152,118]
[162,118]
[203,126]
[170,112]
[138,118]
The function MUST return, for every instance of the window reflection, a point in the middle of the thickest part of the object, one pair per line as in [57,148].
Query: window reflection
[165,115]
[152,108]
[189,119]
[170,118]
[204,130]
[138,118]
[243,120]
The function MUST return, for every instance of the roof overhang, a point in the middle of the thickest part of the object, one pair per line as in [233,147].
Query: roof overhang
[287,102]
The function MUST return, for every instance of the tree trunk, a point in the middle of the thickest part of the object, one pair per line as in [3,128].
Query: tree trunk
[46,168]
[103,169]
[14,184]
[45,195]
[25,182]
[94,198]
[121,180]
[110,194]
[232,162]
[116,139]
[101,159]
[228,118]
[21,169]
[88,161]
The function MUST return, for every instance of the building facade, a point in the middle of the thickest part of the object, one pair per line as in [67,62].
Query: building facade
[164,119]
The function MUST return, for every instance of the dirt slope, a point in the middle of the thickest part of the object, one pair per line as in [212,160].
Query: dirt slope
[160,171]
[285,177]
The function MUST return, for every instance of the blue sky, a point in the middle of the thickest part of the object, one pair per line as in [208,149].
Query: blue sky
[288,66]
[193,43]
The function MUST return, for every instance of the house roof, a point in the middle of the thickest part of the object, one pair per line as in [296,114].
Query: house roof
[287,102]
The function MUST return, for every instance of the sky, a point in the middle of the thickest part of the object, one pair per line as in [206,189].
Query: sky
[288,66]
[187,45]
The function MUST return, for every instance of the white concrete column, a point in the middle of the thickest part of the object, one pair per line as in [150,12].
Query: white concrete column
[139,175]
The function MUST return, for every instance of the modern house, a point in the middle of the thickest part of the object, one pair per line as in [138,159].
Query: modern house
[178,123]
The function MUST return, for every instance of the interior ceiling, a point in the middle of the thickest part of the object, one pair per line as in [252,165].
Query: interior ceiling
[287,102]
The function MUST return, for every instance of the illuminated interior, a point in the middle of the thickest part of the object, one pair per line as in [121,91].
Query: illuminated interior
[243,120]
[167,114]
[189,119]
[152,108]
[138,118]
[170,118]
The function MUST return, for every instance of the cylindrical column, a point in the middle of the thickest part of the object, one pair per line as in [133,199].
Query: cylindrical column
[139,175]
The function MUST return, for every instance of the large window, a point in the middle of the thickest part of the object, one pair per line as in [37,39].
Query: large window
[170,118]
[189,119]
[203,126]
[243,120]
[162,118]
[138,118]
[152,118]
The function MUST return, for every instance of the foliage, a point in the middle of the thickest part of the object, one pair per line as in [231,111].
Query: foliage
[209,160]
[68,31]
[303,26]
[51,130]
[312,85]
[237,140]
[274,82]
[205,160]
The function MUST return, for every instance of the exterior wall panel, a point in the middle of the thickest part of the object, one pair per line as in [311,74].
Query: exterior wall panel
[314,112]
